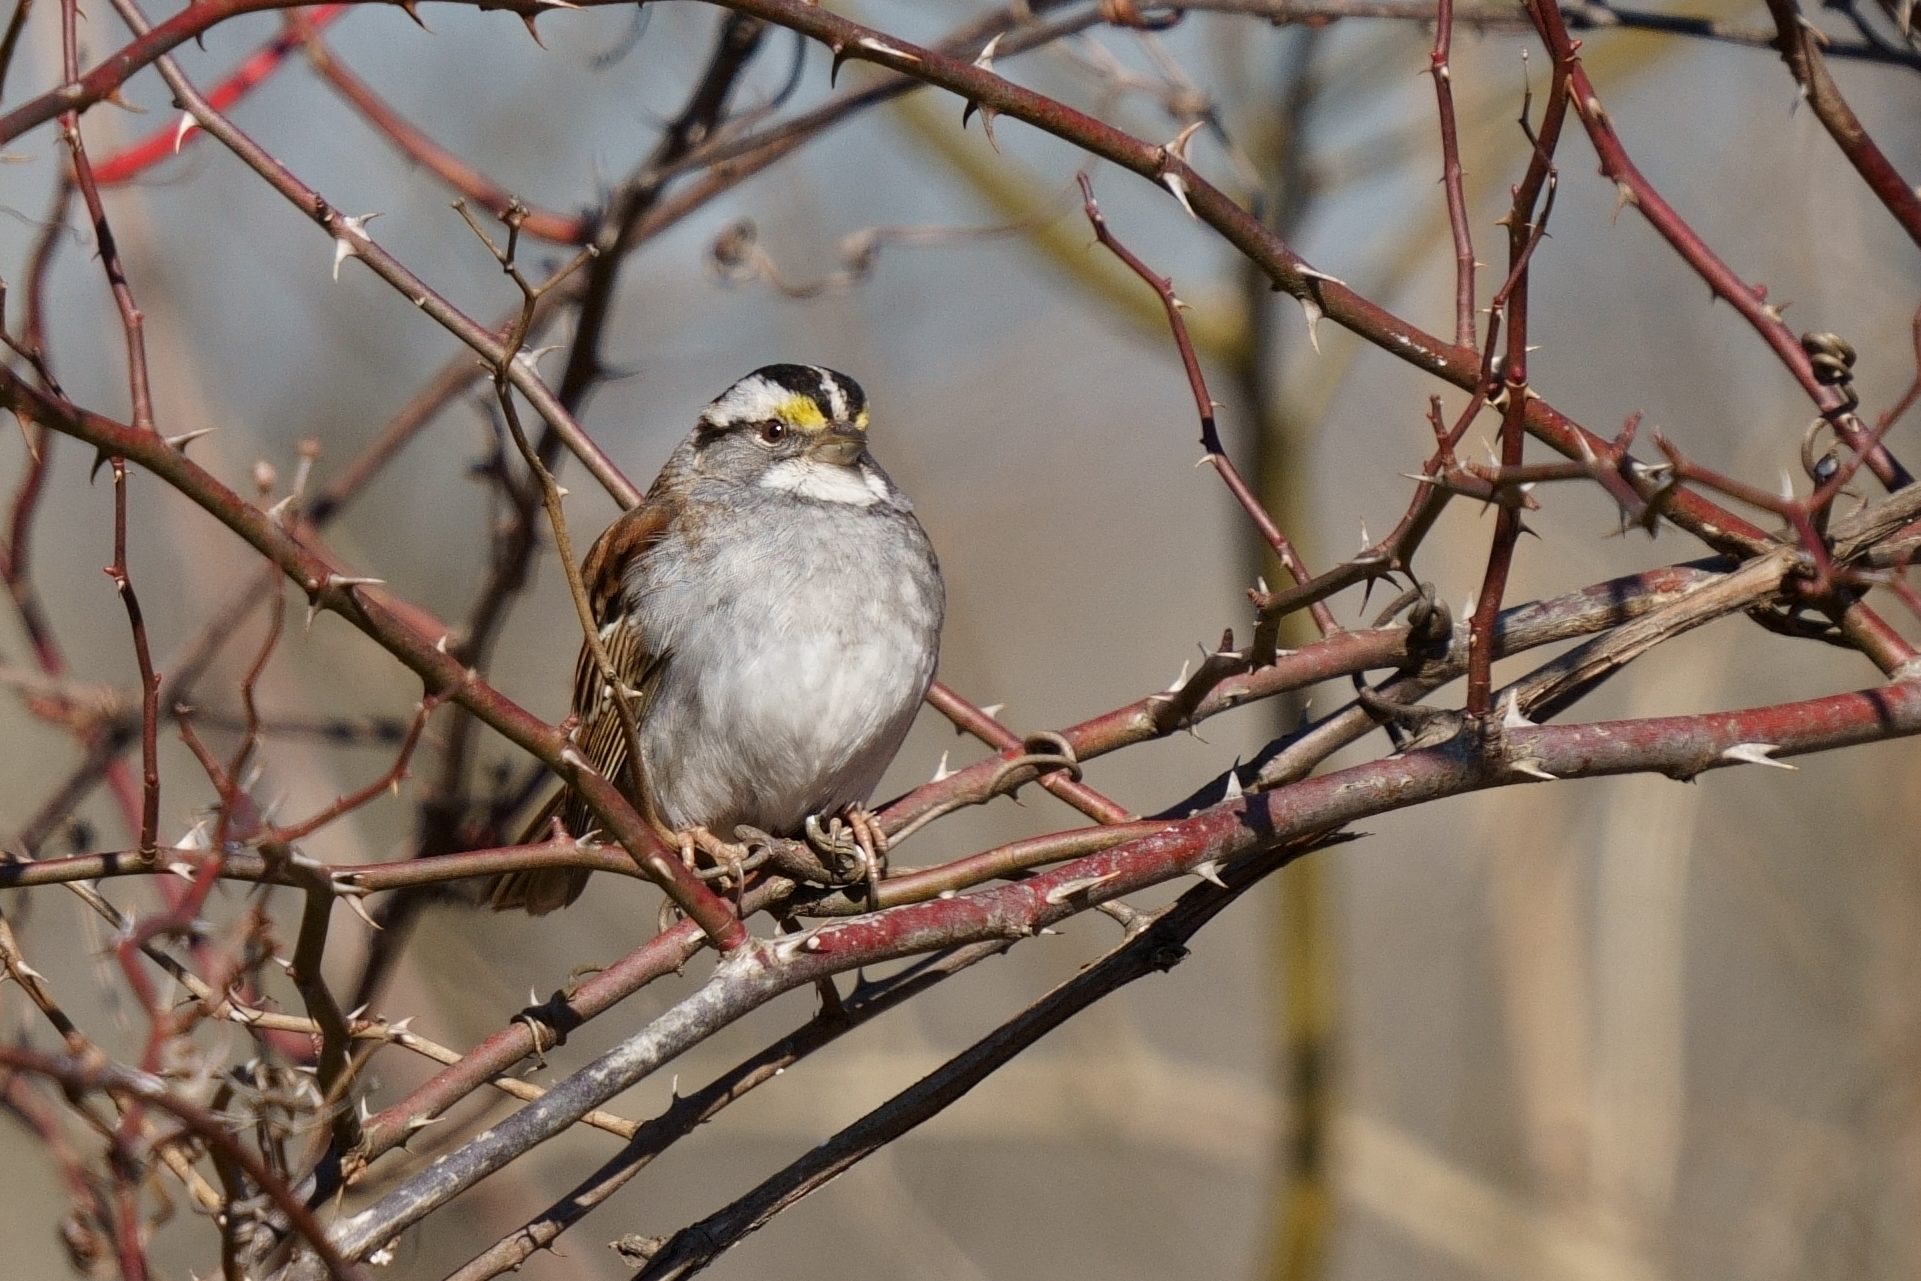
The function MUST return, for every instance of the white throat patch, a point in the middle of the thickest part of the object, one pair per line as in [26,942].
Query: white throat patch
[828,482]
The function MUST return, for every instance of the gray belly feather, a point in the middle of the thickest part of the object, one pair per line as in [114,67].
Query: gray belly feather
[789,694]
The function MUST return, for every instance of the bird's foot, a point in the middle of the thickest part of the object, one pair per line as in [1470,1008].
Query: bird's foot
[855,842]
[727,863]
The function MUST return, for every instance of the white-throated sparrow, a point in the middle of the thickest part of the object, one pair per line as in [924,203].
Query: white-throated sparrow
[776,608]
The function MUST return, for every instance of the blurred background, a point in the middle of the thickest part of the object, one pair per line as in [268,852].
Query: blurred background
[1620,1029]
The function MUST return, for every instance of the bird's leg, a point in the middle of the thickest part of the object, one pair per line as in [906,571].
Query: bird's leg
[721,852]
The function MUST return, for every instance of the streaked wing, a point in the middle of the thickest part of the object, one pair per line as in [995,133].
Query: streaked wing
[634,661]
[541,890]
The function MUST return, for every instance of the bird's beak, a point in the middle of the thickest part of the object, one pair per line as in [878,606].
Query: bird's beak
[839,445]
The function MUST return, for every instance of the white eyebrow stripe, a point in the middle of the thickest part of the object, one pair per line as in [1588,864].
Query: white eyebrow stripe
[746,401]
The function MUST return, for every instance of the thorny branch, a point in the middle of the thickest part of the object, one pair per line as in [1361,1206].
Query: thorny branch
[242,1156]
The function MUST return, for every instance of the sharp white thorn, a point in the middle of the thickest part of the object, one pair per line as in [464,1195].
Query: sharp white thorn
[1313,311]
[1315,274]
[360,910]
[1756,754]
[1511,715]
[882,47]
[1067,889]
[345,245]
[180,131]
[1178,147]
[1210,872]
[529,359]
[1178,185]
[1532,768]
[787,948]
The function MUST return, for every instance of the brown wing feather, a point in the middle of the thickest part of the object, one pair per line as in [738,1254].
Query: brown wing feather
[599,735]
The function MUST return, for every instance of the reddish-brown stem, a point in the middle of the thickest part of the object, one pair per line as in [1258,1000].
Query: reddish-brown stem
[1216,455]
[149,679]
[1525,230]
[978,722]
[1749,300]
[132,322]
[542,224]
[389,781]
[16,554]
[1451,185]
[130,163]
[140,396]
[236,808]
[1913,393]
[1799,43]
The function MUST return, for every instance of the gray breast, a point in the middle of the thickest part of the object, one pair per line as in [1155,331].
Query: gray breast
[796,659]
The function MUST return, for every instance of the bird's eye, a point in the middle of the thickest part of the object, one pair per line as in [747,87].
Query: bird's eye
[773,431]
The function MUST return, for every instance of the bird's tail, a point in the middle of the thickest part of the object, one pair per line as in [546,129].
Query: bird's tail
[539,890]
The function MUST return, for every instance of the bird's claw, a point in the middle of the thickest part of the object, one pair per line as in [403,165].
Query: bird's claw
[853,842]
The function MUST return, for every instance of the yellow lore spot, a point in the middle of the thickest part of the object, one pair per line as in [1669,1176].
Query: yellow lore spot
[801,411]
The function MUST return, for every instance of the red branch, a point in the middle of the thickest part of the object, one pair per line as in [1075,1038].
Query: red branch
[1751,301]
[1451,176]
[1524,233]
[1204,401]
[1800,47]
[136,159]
